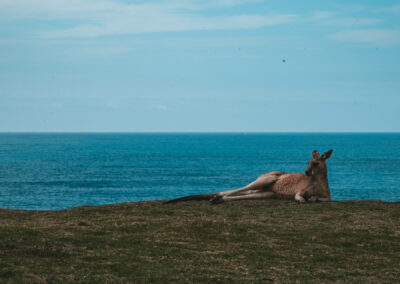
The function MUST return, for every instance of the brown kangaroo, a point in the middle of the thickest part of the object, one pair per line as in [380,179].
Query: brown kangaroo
[311,186]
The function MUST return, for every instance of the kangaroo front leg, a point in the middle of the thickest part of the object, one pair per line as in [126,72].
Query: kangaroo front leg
[323,199]
[315,198]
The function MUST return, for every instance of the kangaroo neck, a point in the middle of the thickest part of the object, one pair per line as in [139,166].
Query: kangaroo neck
[320,179]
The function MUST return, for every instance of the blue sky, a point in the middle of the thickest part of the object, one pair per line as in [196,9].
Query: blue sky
[194,66]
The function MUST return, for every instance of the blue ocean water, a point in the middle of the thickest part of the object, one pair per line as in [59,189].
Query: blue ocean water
[57,171]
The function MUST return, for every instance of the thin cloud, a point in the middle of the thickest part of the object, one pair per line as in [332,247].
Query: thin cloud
[335,19]
[57,105]
[84,8]
[393,9]
[322,15]
[376,37]
[94,51]
[105,18]
[353,21]
[168,23]
[160,107]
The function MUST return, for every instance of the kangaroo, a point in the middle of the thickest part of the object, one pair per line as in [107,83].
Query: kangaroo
[311,186]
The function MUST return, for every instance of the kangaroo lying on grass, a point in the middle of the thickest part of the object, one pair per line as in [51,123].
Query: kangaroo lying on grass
[313,186]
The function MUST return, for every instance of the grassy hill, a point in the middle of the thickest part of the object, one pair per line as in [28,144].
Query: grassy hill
[245,241]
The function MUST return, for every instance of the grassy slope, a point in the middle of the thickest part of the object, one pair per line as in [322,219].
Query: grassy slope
[260,241]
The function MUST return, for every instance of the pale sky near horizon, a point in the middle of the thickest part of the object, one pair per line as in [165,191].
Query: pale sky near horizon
[193,66]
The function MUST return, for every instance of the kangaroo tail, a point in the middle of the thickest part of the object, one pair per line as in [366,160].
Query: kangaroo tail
[199,197]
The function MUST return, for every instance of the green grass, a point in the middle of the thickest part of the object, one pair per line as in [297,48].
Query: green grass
[247,241]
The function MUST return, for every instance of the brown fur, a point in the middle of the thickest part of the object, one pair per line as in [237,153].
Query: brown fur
[311,186]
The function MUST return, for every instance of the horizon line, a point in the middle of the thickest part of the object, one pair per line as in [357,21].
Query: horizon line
[199,132]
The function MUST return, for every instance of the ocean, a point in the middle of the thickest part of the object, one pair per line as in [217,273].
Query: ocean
[58,171]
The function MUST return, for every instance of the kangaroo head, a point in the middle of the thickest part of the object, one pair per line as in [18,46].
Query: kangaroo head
[317,166]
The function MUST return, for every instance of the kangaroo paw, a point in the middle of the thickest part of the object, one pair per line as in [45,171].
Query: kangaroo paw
[216,199]
[299,198]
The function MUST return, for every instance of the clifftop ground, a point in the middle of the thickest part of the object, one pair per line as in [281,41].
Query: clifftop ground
[258,241]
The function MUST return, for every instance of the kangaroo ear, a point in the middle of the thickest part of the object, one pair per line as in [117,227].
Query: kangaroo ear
[315,154]
[326,155]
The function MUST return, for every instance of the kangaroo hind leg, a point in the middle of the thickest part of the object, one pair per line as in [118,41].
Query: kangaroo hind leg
[258,189]
[262,183]
[257,195]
